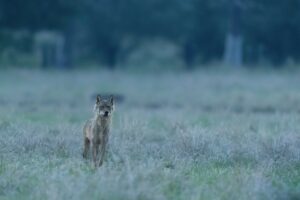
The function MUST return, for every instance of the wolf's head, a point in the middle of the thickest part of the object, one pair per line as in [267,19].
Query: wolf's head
[104,107]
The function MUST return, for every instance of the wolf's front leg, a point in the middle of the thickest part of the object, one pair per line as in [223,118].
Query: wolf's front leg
[103,150]
[102,154]
[96,145]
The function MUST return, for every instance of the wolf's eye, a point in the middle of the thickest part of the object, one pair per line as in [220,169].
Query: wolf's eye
[101,107]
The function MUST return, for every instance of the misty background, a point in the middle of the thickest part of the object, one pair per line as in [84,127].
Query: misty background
[169,34]
[206,93]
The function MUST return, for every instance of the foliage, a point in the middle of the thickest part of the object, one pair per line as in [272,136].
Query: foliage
[199,27]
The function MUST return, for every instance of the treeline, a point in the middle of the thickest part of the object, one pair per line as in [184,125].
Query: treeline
[236,32]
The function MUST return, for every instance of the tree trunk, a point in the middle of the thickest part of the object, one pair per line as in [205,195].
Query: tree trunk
[112,56]
[233,52]
[67,51]
[49,47]
[189,55]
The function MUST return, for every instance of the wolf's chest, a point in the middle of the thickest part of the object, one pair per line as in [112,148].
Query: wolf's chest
[100,129]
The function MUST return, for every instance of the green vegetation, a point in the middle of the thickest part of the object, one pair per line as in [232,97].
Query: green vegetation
[108,32]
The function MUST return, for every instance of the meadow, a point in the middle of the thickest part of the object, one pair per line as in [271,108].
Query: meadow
[202,135]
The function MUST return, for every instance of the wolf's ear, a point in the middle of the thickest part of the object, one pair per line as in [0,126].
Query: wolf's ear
[111,100]
[98,99]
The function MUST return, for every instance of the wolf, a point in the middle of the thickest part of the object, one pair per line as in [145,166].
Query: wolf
[96,130]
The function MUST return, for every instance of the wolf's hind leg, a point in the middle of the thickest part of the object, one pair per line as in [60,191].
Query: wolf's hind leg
[86,148]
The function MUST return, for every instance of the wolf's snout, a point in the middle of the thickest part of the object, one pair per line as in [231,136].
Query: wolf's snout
[106,113]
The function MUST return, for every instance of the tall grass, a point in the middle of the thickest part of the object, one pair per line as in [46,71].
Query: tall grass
[205,135]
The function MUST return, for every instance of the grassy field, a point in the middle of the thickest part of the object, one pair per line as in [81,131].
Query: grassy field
[202,135]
